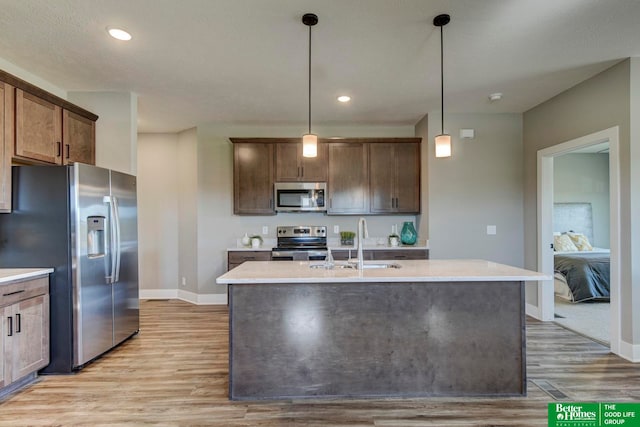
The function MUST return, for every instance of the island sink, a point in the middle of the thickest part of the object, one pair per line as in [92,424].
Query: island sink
[355,266]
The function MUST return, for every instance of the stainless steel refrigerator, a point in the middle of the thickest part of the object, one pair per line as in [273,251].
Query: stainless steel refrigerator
[82,221]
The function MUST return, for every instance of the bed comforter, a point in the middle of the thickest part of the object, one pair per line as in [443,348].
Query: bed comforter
[587,274]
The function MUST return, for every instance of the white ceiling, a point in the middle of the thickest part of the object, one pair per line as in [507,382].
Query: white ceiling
[245,61]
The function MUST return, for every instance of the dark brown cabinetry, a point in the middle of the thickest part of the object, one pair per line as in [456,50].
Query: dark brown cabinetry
[291,165]
[235,258]
[24,315]
[364,175]
[381,254]
[348,178]
[394,178]
[253,166]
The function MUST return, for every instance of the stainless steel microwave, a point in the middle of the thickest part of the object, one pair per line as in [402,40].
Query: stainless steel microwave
[300,196]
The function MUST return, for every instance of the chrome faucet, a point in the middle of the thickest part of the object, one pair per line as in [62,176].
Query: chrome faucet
[362,233]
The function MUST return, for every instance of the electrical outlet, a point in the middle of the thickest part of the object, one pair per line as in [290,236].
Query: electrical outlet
[336,229]
[265,230]
[184,281]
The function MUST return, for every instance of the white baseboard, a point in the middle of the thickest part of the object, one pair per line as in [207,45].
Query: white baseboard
[533,311]
[628,351]
[188,296]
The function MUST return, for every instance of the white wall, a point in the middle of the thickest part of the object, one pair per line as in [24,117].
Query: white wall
[25,75]
[158,211]
[479,185]
[186,167]
[116,128]
[609,99]
[584,178]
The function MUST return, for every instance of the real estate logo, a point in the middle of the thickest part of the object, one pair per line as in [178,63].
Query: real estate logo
[576,414]
[593,414]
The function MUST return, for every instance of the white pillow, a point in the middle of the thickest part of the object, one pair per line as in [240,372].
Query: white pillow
[563,243]
[580,241]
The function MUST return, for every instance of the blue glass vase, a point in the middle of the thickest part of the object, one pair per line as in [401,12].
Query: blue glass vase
[408,235]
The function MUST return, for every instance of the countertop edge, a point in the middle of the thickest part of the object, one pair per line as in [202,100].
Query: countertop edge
[8,275]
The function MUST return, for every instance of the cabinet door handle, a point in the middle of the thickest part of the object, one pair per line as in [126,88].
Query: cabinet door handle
[59,148]
[302,171]
[18,323]
[68,147]
[10,319]
[13,293]
[330,203]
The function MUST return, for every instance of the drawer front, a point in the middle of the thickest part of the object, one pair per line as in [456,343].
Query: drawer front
[401,254]
[14,292]
[235,258]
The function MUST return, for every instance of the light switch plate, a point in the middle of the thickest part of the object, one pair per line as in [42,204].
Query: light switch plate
[265,229]
[491,230]
[336,229]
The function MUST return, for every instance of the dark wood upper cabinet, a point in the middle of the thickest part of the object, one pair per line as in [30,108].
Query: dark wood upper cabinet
[394,177]
[253,165]
[364,175]
[348,185]
[291,165]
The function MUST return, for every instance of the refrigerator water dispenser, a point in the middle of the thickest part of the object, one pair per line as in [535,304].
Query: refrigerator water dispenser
[95,237]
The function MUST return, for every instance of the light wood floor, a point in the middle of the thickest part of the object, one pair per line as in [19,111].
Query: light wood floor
[174,373]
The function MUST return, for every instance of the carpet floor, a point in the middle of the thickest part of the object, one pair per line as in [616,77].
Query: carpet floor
[590,319]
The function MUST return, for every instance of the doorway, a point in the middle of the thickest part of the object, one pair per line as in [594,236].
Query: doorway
[545,224]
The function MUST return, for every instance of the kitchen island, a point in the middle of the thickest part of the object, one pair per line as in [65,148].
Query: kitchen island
[427,328]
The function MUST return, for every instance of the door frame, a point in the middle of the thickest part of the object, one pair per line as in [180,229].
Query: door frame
[545,224]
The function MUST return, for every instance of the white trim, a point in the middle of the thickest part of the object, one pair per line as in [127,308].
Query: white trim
[532,311]
[188,296]
[202,299]
[158,293]
[545,210]
[629,351]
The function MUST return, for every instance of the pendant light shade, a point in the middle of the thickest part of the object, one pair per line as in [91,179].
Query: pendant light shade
[309,140]
[443,141]
[309,145]
[443,145]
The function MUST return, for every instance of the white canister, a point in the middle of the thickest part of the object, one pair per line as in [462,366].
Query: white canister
[255,242]
[246,241]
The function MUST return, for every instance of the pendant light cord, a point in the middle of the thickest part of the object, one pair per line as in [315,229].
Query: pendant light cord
[309,78]
[442,80]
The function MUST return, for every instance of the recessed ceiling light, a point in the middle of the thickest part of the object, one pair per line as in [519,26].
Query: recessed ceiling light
[118,33]
[495,96]
[344,98]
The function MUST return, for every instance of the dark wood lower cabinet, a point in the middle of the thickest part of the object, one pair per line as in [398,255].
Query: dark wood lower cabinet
[235,258]
[381,254]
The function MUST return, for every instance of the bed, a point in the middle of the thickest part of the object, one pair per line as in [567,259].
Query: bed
[582,272]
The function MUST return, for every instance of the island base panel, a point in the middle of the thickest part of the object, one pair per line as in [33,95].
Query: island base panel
[376,339]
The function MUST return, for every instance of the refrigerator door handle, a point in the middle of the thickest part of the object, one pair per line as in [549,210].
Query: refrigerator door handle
[111,250]
[118,249]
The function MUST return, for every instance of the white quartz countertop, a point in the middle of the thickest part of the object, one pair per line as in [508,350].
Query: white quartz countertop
[409,271]
[8,275]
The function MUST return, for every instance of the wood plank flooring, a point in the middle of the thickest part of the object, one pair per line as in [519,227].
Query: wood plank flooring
[174,373]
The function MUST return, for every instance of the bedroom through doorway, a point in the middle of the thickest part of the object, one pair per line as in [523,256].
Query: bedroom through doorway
[578,193]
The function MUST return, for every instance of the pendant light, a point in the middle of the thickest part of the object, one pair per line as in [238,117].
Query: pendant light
[443,141]
[309,140]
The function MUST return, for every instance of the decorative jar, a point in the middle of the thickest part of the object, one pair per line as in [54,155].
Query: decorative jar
[408,235]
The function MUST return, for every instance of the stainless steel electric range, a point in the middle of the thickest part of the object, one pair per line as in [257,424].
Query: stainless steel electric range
[300,242]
